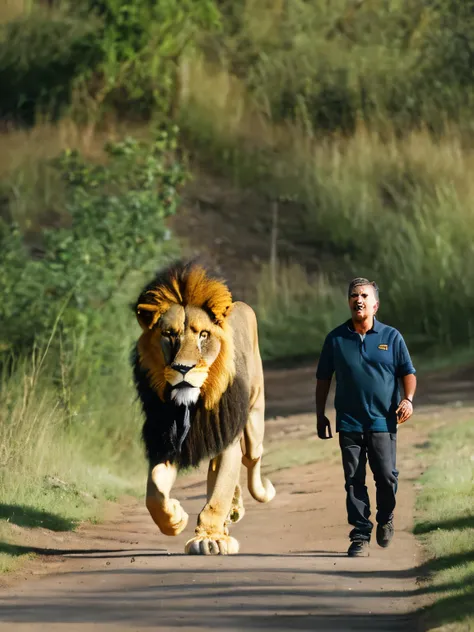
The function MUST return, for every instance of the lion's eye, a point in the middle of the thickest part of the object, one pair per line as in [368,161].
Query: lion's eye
[203,335]
[168,334]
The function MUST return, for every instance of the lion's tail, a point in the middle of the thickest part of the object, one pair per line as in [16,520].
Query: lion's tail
[260,489]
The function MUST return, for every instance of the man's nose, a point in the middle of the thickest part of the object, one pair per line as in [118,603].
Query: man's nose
[182,368]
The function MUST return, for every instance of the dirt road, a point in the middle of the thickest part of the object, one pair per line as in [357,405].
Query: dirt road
[292,572]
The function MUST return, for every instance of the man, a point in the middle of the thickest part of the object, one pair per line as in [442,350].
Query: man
[369,359]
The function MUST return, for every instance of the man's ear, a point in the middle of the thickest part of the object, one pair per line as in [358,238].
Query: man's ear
[147,315]
[376,309]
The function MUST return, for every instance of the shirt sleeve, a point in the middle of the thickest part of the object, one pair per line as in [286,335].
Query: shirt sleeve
[404,364]
[325,368]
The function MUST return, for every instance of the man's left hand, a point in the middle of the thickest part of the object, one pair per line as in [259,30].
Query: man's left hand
[404,411]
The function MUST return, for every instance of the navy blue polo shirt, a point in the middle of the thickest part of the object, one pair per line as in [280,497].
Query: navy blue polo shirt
[367,372]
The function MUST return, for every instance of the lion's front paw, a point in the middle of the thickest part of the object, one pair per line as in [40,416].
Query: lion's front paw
[170,518]
[177,518]
[212,545]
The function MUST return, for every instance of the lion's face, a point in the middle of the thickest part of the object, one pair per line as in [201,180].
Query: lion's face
[190,343]
[187,344]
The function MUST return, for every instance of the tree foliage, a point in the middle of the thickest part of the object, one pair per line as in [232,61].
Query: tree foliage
[115,225]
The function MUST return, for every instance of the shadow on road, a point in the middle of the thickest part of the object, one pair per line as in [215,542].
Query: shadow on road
[25,516]
[290,601]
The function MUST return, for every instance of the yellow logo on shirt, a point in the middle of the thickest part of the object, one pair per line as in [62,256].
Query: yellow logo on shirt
[383,347]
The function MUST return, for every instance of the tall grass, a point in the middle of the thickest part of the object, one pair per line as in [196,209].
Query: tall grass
[69,432]
[11,9]
[76,421]
[400,209]
[393,208]
[295,311]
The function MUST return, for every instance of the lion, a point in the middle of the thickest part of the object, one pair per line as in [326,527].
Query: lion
[198,374]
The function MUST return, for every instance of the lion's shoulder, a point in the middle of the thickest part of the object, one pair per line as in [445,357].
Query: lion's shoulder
[243,321]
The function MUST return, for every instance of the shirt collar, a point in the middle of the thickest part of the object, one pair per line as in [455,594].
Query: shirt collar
[375,327]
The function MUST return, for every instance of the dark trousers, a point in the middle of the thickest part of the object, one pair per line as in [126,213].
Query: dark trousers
[380,450]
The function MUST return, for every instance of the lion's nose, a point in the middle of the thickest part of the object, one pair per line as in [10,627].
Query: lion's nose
[182,368]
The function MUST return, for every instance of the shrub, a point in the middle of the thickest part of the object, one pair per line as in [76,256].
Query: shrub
[114,226]
[40,57]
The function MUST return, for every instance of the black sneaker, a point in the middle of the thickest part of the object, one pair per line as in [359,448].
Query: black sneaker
[358,548]
[385,534]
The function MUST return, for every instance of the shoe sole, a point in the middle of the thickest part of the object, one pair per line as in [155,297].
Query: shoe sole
[364,553]
[384,543]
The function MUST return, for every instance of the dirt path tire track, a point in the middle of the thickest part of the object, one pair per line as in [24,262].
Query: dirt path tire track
[292,572]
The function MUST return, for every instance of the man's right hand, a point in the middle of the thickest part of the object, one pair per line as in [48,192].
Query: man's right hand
[323,426]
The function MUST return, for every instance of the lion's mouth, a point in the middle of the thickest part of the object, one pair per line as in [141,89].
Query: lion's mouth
[182,384]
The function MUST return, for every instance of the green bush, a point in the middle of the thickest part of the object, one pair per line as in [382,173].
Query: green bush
[107,54]
[141,43]
[40,57]
[114,226]
[332,65]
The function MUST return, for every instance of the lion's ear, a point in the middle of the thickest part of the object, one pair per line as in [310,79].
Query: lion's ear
[147,315]
[222,315]
[228,310]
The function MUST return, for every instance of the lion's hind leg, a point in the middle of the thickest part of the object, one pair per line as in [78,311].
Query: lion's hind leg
[166,512]
[237,509]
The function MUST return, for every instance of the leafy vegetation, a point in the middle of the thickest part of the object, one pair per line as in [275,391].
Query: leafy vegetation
[97,56]
[113,227]
[69,425]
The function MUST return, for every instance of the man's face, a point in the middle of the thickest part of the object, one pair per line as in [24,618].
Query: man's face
[363,303]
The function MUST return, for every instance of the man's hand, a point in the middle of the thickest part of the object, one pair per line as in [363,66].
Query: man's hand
[404,411]
[323,426]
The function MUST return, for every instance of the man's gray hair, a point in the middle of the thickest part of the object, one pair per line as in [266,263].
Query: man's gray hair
[361,281]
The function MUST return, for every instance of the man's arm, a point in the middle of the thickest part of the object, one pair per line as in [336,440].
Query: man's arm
[324,375]
[406,372]
[409,386]
[405,409]
[323,424]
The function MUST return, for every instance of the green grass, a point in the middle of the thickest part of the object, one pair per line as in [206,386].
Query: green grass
[445,526]
[69,437]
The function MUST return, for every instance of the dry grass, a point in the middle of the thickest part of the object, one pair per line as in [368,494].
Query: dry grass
[11,9]
[394,208]
[22,148]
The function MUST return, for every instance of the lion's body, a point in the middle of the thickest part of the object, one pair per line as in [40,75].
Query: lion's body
[199,377]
